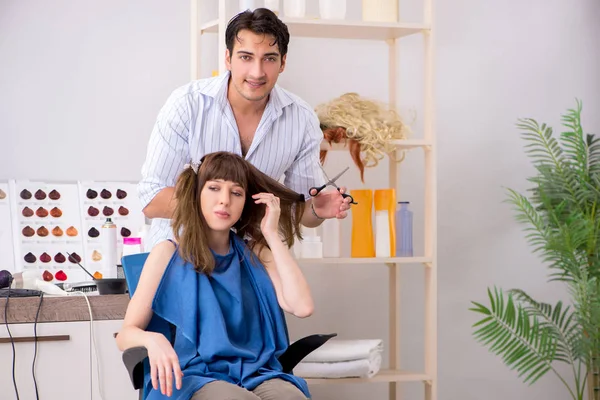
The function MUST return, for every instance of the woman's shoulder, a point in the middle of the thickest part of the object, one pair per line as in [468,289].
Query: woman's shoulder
[161,255]
[164,248]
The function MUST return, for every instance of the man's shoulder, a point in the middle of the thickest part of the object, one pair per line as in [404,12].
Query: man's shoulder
[290,99]
[206,87]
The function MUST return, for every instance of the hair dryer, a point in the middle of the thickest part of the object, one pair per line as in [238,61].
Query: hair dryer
[28,280]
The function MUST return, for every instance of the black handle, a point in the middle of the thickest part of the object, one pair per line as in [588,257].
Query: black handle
[318,189]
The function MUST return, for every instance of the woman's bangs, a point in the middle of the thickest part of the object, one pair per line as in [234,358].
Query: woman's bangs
[228,169]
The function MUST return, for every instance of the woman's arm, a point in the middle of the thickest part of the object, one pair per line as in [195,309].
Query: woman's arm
[292,289]
[293,292]
[139,310]
[164,363]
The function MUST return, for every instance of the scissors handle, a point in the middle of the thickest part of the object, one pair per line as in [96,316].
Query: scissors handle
[318,189]
[346,195]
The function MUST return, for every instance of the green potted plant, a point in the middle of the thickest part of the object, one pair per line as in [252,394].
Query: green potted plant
[561,214]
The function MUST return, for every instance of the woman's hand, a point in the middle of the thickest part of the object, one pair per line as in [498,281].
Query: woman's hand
[270,222]
[164,363]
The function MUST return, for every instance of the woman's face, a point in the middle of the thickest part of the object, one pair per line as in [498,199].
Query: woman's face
[222,203]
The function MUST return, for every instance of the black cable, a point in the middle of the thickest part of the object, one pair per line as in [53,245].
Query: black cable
[12,342]
[35,342]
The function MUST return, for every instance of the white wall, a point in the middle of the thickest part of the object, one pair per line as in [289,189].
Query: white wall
[79,78]
[82,82]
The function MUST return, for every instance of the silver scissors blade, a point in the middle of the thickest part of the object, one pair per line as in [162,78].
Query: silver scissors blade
[335,178]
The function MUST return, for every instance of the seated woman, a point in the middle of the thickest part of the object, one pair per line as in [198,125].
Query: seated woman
[225,295]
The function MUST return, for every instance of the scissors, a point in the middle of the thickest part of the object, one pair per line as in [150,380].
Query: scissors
[332,183]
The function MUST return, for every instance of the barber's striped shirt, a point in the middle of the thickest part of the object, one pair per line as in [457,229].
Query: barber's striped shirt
[197,119]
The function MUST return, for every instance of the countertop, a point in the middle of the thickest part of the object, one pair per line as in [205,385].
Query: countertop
[64,309]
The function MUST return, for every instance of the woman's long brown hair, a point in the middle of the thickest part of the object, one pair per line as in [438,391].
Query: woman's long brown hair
[189,224]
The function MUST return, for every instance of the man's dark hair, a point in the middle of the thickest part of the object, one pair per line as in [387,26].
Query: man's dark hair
[259,21]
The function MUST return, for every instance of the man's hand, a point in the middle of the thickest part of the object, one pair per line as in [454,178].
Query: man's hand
[331,204]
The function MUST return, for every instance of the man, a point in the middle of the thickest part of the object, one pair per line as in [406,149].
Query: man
[245,112]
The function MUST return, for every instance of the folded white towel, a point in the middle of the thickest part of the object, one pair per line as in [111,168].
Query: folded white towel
[346,350]
[363,368]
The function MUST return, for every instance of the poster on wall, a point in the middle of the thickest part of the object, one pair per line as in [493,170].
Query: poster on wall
[47,233]
[7,257]
[99,201]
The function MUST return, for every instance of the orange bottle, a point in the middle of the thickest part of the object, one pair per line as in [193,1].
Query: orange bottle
[362,226]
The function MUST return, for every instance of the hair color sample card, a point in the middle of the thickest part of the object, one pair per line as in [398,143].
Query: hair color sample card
[7,257]
[99,201]
[47,229]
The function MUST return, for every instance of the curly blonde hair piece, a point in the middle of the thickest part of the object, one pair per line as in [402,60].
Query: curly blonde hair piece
[365,121]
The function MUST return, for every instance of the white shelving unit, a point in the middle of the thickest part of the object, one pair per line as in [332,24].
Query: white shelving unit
[390,33]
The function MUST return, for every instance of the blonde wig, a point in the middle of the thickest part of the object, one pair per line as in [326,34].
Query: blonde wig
[369,127]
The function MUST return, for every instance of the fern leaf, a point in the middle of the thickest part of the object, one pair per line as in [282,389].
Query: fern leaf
[562,322]
[513,333]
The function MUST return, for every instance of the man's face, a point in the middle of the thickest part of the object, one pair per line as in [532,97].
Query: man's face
[255,64]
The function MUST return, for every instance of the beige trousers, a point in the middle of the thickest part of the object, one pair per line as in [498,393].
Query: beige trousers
[273,389]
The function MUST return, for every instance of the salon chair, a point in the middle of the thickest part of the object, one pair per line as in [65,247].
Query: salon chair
[136,358]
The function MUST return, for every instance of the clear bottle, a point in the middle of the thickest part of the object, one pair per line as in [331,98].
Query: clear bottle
[404,230]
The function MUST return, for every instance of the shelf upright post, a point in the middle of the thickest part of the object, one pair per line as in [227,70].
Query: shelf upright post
[394,268]
[221,34]
[430,210]
[194,41]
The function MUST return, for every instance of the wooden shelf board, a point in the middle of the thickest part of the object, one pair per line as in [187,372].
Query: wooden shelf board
[382,376]
[400,144]
[373,260]
[334,29]
[209,27]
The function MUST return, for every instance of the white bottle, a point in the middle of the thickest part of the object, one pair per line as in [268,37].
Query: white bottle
[332,9]
[331,237]
[272,5]
[380,10]
[108,241]
[294,8]
[311,245]
[382,234]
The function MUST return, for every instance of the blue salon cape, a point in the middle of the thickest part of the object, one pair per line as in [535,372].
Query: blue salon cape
[230,326]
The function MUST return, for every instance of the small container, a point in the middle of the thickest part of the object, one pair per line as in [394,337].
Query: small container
[111,286]
[404,230]
[332,9]
[131,245]
[312,247]
[294,8]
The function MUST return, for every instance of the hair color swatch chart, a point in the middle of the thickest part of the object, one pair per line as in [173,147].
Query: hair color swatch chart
[6,243]
[99,201]
[46,229]
[53,227]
